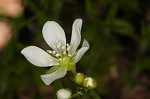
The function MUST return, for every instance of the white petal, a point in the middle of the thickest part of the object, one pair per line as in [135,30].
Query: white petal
[49,78]
[54,35]
[38,57]
[76,36]
[82,50]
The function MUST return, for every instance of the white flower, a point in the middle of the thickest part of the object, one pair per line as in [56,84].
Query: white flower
[63,94]
[63,57]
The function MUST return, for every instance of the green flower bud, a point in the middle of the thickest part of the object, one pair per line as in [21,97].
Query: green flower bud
[89,83]
[79,78]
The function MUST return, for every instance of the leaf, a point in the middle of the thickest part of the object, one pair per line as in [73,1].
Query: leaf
[145,31]
[124,28]
[89,8]
[112,13]
[94,95]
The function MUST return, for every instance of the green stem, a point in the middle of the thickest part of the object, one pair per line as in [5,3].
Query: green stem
[74,72]
[75,95]
[94,94]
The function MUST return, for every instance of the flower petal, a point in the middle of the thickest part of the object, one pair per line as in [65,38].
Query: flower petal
[82,50]
[38,57]
[76,36]
[54,36]
[49,78]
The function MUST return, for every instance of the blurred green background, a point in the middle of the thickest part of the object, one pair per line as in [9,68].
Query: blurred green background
[119,56]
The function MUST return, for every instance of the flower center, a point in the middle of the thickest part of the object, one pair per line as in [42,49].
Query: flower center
[67,61]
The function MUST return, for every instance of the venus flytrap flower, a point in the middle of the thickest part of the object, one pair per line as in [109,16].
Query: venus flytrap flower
[64,55]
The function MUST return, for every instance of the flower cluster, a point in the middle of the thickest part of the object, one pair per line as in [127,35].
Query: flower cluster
[85,85]
[85,81]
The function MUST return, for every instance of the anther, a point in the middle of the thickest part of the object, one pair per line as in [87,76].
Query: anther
[51,60]
[57,55]
[67,44]
[54,52]
[49,51]
[58,46]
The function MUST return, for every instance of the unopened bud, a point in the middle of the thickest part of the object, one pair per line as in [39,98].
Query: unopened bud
[64,94]
[79,78]
[89,83]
